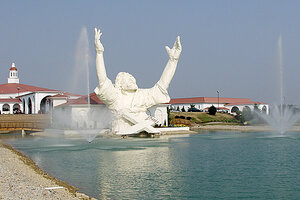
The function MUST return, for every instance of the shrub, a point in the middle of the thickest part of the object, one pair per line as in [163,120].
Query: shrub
[212,110]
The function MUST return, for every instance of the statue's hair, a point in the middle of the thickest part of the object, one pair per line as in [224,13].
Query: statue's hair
[121,79]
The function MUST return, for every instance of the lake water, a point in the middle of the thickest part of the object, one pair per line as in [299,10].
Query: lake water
[213,165]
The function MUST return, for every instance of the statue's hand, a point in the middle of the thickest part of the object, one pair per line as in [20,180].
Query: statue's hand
[174,53]
[98,45]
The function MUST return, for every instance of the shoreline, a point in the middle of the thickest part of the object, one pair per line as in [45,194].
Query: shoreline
[21,178]
[238,128]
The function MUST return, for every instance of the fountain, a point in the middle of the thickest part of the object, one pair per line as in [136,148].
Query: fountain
[282,118]
[81,64]
[82,121]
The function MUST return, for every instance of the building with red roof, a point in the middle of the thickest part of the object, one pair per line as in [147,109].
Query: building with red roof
[28,99]
[230,105]
[85,112]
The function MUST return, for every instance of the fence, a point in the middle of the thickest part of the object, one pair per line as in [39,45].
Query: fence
[24,122]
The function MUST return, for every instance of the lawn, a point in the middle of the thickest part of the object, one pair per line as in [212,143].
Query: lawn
[202,117]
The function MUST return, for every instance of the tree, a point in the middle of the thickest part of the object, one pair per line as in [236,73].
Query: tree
[246,115]
[212,110]
[182,109]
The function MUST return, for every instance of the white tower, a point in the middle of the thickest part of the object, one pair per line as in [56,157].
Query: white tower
[13,74]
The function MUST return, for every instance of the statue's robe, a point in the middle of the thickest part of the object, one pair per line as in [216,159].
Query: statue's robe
[135,104]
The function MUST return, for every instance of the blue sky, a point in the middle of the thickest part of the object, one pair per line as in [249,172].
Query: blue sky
[230,46]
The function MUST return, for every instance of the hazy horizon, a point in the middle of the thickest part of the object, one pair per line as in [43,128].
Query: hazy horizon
[228,46]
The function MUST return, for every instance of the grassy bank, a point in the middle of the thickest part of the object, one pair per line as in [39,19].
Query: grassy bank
[204,118]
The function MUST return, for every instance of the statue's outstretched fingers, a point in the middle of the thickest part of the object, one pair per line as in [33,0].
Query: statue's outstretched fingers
[178,44]
[168,49]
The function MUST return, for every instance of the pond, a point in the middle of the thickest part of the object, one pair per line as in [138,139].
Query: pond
[211,165]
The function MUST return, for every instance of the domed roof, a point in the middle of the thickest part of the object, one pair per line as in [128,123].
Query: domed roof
[13,67]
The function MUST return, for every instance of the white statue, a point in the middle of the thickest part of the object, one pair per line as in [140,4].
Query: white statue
[129,103]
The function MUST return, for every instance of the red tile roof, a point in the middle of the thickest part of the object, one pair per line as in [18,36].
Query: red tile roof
[208,100]
[65,94]
[257,102]
[13,69]
[240,103]
[10,88]
[10,100]
[94,100]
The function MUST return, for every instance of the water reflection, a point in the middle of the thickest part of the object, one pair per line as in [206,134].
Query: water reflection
[136,173]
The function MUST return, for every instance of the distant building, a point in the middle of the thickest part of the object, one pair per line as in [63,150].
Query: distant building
[16,97]
[228,105]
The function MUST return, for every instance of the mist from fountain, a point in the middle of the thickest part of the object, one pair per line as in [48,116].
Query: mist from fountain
[281,118]
[87,122]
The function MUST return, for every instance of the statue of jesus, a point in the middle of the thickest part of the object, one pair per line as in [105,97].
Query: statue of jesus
[127,102]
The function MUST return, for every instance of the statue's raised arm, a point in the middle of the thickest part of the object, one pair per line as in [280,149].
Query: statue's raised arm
[100,67]
[170,68]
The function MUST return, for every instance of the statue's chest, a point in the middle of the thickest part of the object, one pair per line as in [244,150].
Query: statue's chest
[126,101]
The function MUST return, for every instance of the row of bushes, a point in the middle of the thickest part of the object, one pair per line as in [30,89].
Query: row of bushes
[182,117]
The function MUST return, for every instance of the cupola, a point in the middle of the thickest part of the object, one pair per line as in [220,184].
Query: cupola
[13,74]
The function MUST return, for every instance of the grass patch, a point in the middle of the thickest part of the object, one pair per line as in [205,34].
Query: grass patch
[200,118]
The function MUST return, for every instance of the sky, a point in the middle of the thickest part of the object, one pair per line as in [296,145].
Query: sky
[230,46]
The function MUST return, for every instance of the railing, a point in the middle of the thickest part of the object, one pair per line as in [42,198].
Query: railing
[25,122]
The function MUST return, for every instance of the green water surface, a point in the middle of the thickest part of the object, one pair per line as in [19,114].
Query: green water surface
[219,165]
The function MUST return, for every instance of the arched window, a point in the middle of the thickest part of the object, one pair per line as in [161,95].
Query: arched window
[6,107]
[246,108]
[264,109]
[23,105]
[43,103]
[29,106]
[234,109]
[16,108]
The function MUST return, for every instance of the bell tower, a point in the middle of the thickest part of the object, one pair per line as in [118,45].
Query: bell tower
[13,74]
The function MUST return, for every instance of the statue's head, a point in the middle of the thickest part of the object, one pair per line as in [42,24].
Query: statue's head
[126,82]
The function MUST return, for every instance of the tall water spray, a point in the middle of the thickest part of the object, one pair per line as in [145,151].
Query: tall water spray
[82,58]
[280,73]
[87,122]
[282,118]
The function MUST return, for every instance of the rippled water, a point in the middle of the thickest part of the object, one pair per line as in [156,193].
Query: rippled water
[219,165]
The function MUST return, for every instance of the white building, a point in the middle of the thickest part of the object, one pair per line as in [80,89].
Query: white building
[27,99]
[229,105]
